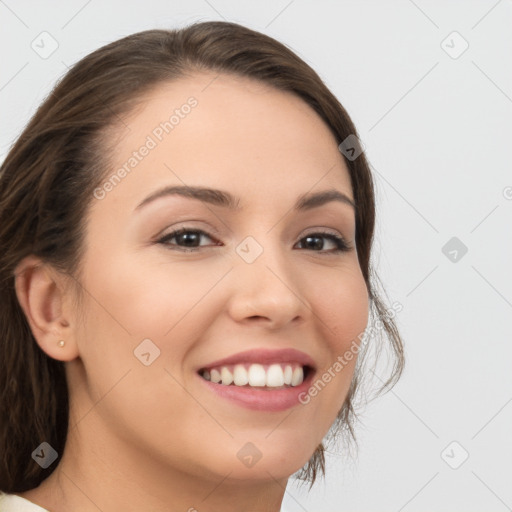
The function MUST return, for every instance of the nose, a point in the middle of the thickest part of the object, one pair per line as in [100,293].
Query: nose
[267,291]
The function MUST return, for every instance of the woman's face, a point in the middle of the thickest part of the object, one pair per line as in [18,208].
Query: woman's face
[257,281]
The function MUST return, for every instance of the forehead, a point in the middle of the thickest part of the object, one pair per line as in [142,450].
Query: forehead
[217,129]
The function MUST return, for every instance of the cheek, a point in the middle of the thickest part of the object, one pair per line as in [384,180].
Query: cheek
[172,304]
[342,317]
[343,308]
[148,298]
[130,302]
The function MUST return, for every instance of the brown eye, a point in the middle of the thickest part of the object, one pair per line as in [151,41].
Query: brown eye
[316,242]
[186,239]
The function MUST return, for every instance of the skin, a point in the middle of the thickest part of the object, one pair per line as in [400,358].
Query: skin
[154,437]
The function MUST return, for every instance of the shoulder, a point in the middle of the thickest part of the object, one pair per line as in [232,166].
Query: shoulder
[14,503]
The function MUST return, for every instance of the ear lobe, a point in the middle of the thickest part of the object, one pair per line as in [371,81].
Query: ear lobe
[41,296]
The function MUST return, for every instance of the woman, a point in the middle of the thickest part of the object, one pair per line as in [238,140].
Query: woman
[186,226]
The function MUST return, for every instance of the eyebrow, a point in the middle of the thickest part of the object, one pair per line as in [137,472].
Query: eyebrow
[226,200]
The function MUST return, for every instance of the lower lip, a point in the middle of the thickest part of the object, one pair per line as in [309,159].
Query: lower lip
[261,400]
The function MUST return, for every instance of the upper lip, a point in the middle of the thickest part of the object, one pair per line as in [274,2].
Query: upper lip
[265,356]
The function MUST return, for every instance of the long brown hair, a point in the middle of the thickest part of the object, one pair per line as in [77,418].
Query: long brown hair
[46,186]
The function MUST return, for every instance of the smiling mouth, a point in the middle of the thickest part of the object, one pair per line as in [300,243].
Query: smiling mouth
[258,376]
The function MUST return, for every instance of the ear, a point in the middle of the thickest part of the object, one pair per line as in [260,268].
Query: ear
[42,296]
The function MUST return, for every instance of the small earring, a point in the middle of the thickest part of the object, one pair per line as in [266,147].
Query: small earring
[61,343]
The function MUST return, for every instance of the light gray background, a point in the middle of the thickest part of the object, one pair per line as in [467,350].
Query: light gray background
[435,130]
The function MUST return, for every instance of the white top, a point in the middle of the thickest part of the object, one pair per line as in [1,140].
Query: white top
[13,503]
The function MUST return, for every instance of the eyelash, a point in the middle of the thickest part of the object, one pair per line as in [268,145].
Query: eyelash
[342,245]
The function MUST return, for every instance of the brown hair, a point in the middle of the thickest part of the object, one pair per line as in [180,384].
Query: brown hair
[46,186]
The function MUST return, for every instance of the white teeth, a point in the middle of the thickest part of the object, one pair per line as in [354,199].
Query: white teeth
[257,375]
[240,376]
[288,374]
[275,376]
[298,376]
[226,375]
